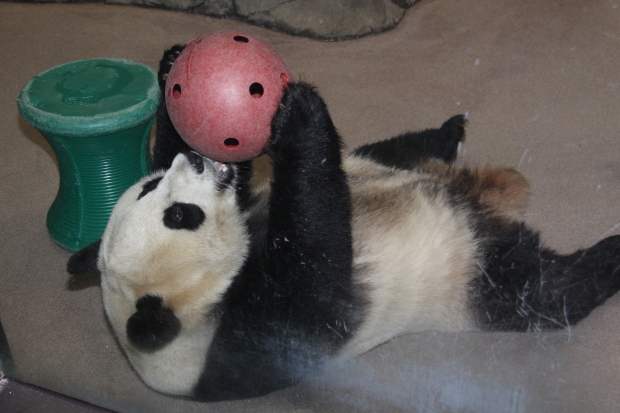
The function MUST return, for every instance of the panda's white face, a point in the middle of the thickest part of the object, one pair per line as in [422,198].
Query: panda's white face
[178,235]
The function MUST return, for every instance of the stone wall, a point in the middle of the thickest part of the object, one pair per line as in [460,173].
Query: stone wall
[320,19]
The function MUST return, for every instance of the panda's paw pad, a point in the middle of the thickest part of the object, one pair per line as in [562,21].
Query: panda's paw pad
[301,112]
[301,101]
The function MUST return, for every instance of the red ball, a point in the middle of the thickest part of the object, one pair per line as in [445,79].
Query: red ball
[222,92]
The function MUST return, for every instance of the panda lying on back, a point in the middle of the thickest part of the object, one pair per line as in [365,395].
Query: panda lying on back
[219,289]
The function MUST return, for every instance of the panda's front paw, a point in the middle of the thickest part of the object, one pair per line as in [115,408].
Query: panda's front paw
[302,120]
[153,325]
[166,62]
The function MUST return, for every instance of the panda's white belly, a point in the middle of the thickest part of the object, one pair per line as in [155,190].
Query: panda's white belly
[415,255]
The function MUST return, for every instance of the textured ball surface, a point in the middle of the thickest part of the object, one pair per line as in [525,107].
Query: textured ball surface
[222,93]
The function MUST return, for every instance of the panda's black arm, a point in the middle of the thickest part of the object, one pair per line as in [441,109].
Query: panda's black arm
[294,302]
[165,64]
[407,150]
[309,240]
[309,231]
[168,143]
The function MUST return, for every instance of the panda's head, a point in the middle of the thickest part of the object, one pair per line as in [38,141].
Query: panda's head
[172,246]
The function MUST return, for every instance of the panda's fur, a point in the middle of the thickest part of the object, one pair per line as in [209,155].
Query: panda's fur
[219,286]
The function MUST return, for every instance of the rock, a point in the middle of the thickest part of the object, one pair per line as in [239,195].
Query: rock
[216,8]
[405,4]
[322,19]
[180,5]
[319,19]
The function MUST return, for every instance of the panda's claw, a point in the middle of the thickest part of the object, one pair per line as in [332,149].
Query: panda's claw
[166,62]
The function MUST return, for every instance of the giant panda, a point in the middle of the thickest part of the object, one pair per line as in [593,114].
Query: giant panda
[221,286]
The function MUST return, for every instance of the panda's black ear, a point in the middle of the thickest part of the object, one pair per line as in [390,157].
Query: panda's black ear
[153,325]
[84,260]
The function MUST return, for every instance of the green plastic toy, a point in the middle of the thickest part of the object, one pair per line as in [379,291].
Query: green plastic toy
[96,115]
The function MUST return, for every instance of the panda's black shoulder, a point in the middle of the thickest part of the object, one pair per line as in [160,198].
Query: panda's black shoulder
[270,337]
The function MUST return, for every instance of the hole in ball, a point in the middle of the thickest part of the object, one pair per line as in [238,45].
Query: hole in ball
[256,90]
[231,142]
[176,91]
[241,39]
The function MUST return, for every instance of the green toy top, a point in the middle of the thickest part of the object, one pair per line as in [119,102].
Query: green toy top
[90,97]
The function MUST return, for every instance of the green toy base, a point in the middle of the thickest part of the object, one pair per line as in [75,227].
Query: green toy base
[91,185]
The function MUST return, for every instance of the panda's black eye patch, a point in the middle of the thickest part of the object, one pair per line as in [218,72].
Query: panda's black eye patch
[183,216]
[149,186]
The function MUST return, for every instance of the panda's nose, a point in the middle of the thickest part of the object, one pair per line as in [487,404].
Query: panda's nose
[196,161]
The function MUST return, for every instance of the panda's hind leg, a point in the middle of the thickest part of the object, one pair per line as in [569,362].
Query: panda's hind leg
[408,150]
[523,286]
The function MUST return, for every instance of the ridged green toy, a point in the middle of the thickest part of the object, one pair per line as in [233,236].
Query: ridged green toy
[96,115]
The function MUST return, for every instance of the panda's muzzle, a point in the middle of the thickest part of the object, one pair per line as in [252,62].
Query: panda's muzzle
[224,173]
[196,161]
